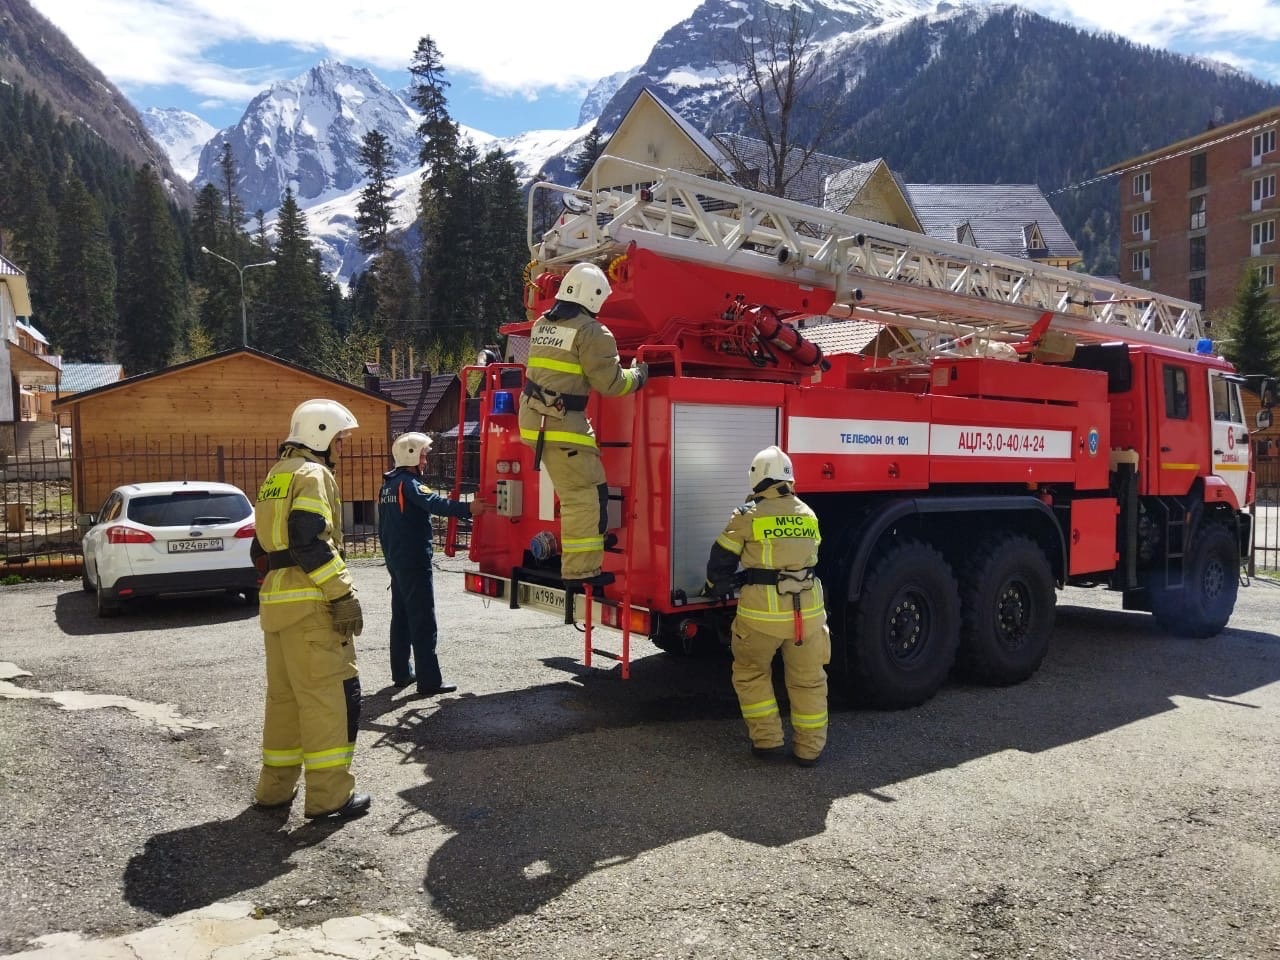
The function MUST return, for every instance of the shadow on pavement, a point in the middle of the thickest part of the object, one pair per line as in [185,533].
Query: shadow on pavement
[76,613]
[541,787]
[196,866]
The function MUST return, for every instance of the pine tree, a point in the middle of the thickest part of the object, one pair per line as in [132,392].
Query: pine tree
[290,320]
[502,246]
[586,158]
[438,153]
[152,287]
[219,314]
[235,208]
[373,213]
[1253,336]
[83,318]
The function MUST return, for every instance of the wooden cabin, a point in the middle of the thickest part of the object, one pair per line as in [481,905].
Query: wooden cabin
[220,417]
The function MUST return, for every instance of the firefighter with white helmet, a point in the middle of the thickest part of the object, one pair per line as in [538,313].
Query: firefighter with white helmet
[405,508]
[570,354]
[775,537]
[310,617]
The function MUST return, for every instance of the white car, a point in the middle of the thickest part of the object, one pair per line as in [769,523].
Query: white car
[169,539]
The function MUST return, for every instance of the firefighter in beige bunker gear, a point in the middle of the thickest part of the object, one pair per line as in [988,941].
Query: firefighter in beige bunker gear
[310,616]
[571,353]
[775,537]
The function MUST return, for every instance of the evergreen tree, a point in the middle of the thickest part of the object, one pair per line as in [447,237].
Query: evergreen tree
[83,318]
[1253,336]
[290,320]
[438,153]
[35,240]
[586,158]
[235,208]
[152,288]
[219,311]
[503,248]
[373,213]
[395,297]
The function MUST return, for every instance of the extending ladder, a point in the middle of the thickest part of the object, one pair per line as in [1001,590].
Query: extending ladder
[879,273]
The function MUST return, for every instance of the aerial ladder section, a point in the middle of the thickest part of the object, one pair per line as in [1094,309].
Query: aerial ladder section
[880,273]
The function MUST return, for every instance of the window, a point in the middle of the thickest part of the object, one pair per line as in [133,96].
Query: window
[1263,189]
[1263,143]
[1142,184]
[1142,263]
[1196,293]
[186,509]
[1199,171]
[1263,232]
[1226,400]
[1197,254]
[1198,212]
[1268,273]
[1142,222]
[1177,402]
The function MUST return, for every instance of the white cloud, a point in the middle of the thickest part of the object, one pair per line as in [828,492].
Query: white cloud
[511,46]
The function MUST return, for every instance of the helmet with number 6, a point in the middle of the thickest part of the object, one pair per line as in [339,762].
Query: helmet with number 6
[586,285]
[408,449]
[770,465]
[317,423]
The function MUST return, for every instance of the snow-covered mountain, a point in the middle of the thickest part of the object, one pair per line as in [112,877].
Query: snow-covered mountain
[305,133]
[182,134]
[332,221]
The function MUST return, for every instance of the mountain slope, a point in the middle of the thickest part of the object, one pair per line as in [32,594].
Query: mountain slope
[305,133]
[970,94]
[38,56]
[181,134]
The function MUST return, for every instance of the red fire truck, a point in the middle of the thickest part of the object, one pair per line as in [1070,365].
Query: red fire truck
[1009,428]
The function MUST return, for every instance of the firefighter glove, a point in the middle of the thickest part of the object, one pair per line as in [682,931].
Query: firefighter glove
[641,372]
[716,591]
[348,619]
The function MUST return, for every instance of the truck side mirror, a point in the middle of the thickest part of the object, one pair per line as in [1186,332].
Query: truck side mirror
[1263,419]
[1267,393]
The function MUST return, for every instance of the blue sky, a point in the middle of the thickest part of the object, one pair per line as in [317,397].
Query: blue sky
[513,66]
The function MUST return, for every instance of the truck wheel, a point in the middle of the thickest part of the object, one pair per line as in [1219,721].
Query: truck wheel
[906,627]
[1007,602]
[1210,582]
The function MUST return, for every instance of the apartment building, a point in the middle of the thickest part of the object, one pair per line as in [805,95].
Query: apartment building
[1196,214]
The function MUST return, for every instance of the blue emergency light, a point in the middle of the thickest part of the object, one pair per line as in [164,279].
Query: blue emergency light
[502,402]
[1204,346]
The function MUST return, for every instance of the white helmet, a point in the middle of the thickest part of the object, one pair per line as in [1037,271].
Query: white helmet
[315,423]
[770,464]
[408,449]
[585,284]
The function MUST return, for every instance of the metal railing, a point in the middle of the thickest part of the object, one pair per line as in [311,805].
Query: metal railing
[41,495]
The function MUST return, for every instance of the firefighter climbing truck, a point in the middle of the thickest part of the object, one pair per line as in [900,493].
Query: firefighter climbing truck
[998,429]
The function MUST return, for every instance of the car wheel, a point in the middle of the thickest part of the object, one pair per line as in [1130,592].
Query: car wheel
[108,606]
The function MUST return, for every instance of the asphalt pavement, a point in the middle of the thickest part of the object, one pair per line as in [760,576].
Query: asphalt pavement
[1120,804]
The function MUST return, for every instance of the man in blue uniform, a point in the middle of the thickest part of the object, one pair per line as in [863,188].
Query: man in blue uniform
[405,507]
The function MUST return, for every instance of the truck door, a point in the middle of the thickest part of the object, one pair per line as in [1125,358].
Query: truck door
[1230,434]
[1178,441]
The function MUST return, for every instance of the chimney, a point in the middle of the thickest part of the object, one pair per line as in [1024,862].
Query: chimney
[372,379]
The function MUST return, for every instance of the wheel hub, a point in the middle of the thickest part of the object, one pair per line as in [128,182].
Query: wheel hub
[1013,615]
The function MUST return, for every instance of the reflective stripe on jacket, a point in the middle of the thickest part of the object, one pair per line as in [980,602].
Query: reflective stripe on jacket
[776,531]
[299,482]
[571,356]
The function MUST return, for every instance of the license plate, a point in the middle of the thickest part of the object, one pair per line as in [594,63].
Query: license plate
[195,546]
[547,598]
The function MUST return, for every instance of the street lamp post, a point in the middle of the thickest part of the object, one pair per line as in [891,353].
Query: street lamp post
[244,317]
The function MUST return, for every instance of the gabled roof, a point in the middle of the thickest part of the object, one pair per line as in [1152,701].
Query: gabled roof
[842,336]
[1001,216]
[13,278]
[78,377]
[65,402]
[824,180]
[408,392]
[710,148]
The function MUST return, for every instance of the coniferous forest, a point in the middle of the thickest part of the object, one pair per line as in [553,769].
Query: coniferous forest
[117,273]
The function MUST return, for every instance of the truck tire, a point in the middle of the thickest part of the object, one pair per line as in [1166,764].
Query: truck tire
[1211,579]
[906,627]
[1007,611]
